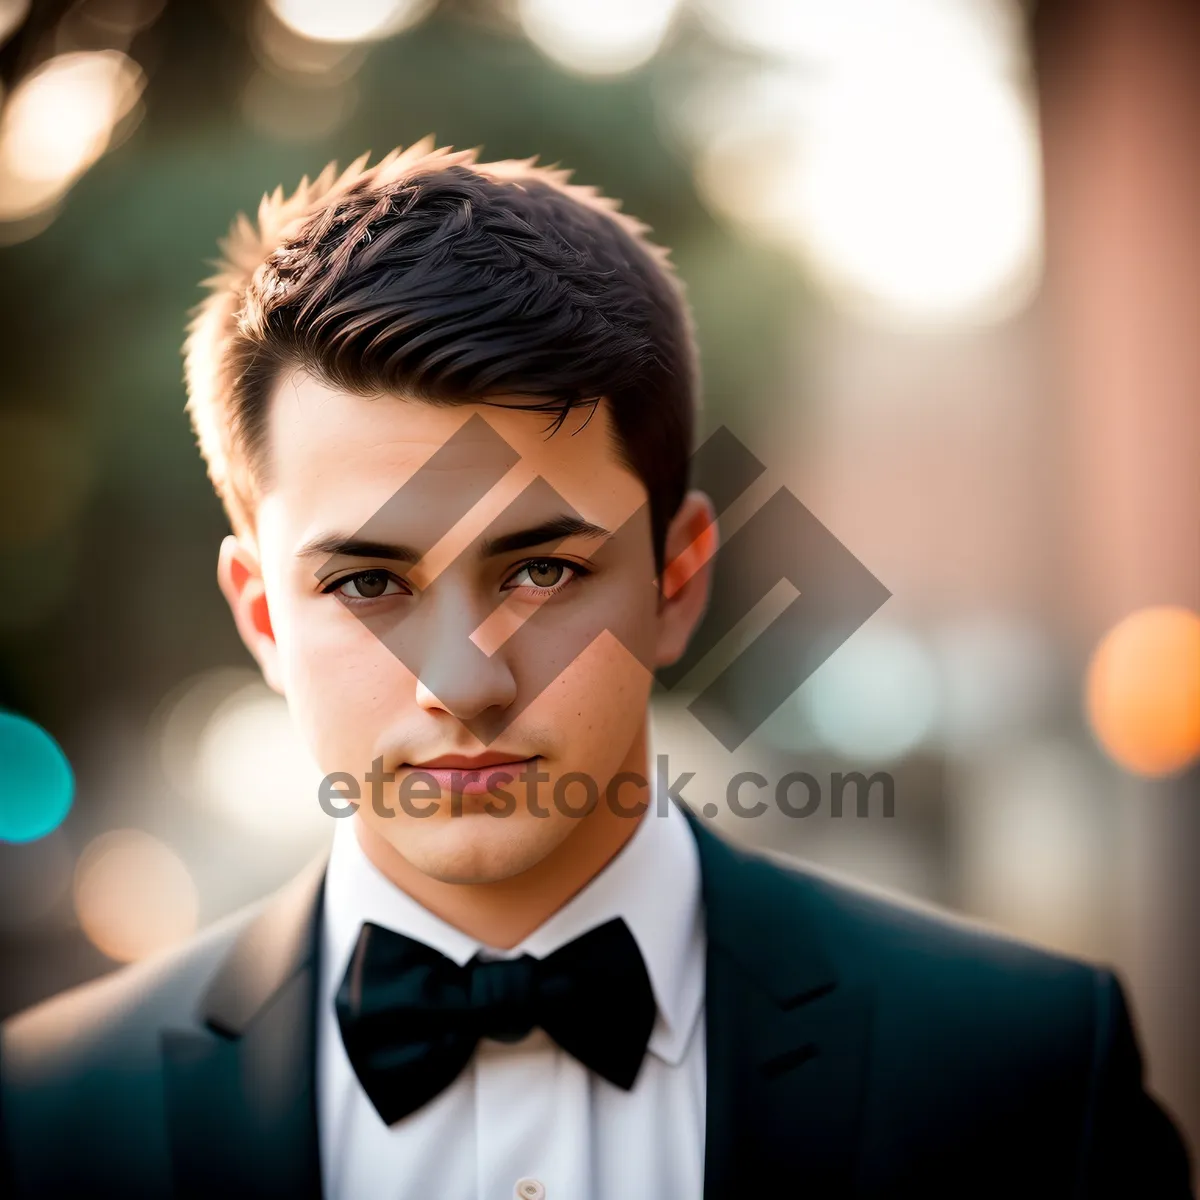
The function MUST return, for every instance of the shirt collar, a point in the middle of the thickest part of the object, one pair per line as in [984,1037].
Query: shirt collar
[653,883]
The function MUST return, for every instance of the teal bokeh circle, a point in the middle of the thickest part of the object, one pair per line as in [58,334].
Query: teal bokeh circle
[37,784]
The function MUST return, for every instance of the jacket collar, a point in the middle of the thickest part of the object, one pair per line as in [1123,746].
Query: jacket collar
[781,955]
[786,1037]
[278,944]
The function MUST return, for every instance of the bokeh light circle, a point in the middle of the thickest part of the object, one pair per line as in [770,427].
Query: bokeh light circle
[349,20]
[597,37]
[228,744]
[133,895]
[37,784]
[1143,690]
[877,698]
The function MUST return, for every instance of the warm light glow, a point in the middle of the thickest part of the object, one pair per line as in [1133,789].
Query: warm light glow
[228,743]
[280,48]
[597,37]
[1143,691]
[12,13]
[133,895]
[924,200]
[349,20]
[58,121]
[59,118]
[817,32]
[254,769]
[899,160]
[183,714]
[88,24]
[25,207]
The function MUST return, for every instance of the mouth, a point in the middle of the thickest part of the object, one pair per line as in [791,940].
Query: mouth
[471,775]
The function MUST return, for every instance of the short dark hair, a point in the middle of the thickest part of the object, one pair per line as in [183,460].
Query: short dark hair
[450,281]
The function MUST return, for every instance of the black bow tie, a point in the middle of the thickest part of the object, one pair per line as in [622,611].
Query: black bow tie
[411,1017]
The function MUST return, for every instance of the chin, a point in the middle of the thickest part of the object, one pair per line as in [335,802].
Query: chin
[478,848]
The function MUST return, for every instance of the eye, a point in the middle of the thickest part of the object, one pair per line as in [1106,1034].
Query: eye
[366,585]
[544,576]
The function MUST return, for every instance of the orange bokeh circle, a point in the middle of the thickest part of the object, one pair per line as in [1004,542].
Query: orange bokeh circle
[1143,690]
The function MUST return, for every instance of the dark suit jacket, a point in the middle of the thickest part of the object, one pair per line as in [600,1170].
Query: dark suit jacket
[857,1047]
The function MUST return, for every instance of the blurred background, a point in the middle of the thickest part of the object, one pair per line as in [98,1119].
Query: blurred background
[945,262]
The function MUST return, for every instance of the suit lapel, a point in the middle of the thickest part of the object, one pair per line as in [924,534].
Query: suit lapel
[786,1040]
[240,1093]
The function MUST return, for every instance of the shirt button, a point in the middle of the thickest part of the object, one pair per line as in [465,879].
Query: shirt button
[528,1189]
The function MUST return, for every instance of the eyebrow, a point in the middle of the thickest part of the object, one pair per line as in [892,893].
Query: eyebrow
[554,530]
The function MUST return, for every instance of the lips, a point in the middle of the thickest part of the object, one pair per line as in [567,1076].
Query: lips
[470,762]
[470,775]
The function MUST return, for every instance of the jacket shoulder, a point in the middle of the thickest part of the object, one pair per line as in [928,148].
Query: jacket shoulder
[116,1019]
[867,929]
[943,983]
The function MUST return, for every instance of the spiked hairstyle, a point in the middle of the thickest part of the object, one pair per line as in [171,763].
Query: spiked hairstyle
[438,278]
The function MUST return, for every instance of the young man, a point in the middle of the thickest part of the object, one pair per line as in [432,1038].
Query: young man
[449,408]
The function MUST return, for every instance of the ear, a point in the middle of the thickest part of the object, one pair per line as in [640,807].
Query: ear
[691,544]
[239,575]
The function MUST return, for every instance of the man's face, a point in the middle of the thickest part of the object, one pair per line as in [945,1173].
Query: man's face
[420,601]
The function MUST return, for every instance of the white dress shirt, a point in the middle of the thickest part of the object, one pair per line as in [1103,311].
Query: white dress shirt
[525,1120]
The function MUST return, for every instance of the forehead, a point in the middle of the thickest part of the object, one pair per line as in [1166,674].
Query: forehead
[342,461]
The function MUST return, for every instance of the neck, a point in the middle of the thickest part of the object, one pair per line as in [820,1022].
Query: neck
[503,912]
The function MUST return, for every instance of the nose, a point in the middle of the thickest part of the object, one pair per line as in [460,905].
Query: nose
[454,675]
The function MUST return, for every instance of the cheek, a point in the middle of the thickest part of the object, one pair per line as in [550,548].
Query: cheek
[596,706]
[343,685]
